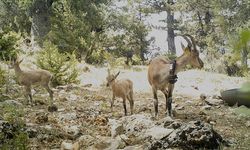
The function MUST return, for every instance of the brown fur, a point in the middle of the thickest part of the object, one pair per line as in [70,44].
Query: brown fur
[33,77]
[122,89]
[159,73]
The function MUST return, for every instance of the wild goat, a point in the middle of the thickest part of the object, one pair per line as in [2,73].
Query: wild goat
[123,89]
[162,72]
[32,77]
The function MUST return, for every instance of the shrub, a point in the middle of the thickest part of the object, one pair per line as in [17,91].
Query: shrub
[12,131]
[97,57]
[9,45]
[61,65]
[2,77]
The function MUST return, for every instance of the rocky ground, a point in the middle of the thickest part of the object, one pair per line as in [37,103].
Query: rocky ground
[84,119]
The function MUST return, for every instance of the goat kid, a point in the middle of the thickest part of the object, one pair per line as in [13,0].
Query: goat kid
[122,89]
[32,77]
[159,69]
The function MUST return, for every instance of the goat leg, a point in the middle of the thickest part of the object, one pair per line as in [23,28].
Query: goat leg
[170,106]
[169,99]
[124,105]
[112,102]
[155,102]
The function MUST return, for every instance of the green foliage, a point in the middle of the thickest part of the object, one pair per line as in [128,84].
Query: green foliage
[98,57]
[128,23]
[245,87]
[2,77]
[243,40]
[14,15]
[61,65]
[12,134]
[75,27]
[9,45]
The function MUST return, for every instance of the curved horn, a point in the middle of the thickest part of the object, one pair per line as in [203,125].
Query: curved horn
[193,41]
[188,41]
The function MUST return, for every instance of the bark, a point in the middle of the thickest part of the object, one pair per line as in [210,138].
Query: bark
[170,28]
[244,54]
[40,14]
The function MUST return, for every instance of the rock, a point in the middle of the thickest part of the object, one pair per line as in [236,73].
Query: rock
[41,117]
[101,120]
[72,97]
[207,107]
[136,124]
[214,102]
[66,146]
[192,135]
[116,127]
[52,108]
[175,125]
[180,108]
[86,140]
[203,96]
[103,143]
[67,116]
[158,133]
[165,122]
[248,123]
[134,147]
[86,69]
[12,102]
[189,102]
[72,129]
[32,133]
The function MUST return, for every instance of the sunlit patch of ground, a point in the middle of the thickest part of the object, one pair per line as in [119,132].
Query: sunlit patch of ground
[190,83]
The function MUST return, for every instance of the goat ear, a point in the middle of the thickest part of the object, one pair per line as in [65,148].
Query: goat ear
[117,74]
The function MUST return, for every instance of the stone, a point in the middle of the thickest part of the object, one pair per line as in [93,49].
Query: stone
[116,127]
[32,133]
[165,121]
[207,107]
[52,108]
[203,96]
[67,116]
[180,108]
[134,147]
[41,117]
[86,140]
[214,102]
[136,124]
[158,133]
[248,123]
[191,135]
[66,146]
[12,102]
[72,129]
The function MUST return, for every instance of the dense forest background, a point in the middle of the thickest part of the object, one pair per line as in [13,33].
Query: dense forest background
[96,30]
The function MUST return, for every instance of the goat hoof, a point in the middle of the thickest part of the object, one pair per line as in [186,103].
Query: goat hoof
[52,108]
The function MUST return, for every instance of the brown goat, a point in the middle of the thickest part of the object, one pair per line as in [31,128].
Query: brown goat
[123,89]
[32,77]
[159,75]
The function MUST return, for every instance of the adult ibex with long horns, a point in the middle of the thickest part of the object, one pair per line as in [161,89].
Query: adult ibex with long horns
[162,72]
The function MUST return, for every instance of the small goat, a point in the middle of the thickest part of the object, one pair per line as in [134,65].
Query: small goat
[123,89]
[32,77]
[161,74]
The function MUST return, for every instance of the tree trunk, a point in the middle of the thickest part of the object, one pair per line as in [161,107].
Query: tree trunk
[244,54]
[170,28]
[40,21]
